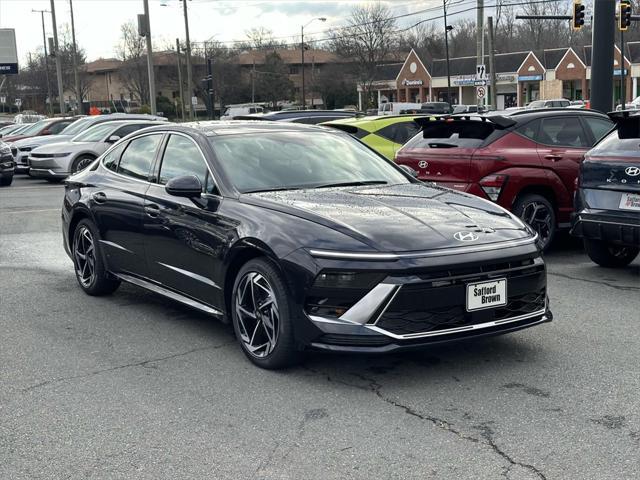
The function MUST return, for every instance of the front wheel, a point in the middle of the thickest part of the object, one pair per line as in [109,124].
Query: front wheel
[261,314]
[90,270]
[81,163]
[609,255]
[6,181]
[537,212]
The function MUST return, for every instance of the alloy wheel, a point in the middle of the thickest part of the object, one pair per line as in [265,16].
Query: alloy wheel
[82,164]
[538,217]
[257,312]
[84,254]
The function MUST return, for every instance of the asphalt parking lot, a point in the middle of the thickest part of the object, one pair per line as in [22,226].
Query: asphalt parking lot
[134,386]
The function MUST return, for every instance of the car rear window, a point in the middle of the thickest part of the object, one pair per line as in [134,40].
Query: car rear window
[612,144]
[470,134]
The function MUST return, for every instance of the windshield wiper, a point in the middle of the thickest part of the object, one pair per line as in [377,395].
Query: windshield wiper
[353,184]
[272,189]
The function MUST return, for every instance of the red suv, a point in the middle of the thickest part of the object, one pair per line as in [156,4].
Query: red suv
[526,162]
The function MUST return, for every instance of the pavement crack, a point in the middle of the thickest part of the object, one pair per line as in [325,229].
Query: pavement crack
[624,288]
[143,363]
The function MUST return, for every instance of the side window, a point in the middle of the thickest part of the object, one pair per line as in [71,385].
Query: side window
[562,132]
[127,129]
[182,157]
[598,126]
[58,127]
[137,158]
[530,130]
[399,132]
[110,160]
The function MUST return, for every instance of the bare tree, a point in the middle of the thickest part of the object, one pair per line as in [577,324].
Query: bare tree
[260,38]
[131,49]
[424,39]
[367,40]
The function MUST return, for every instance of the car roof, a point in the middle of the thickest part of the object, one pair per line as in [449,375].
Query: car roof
[232,127]
[524,115]
[387,119]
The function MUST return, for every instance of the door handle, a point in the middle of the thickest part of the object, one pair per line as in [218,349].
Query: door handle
[152,210]
[99,197]
[553,157]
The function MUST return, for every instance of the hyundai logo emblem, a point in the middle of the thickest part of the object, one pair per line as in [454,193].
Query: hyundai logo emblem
[465,236]
[423,164]
[632,171]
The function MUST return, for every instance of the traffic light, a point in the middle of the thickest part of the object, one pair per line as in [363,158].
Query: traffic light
[578,14]
[624,15]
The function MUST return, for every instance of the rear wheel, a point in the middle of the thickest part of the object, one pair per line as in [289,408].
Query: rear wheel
[87,260]
[609,255]
[6,181]
[537,212]
[81,163]
[261,312]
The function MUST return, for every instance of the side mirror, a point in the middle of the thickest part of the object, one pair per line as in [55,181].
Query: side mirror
[409,170]
[188,186]
[113,139]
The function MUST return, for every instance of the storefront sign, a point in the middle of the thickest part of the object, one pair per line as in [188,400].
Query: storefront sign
[505,78]
[412,83]
[529,78]
[8,52]
[618,71]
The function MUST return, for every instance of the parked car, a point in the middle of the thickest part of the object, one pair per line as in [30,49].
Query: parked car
[555,103]
[384,134]
[57,161]
[28,116]
[48,126]
[7,165]
[232,111]
[310,117]
[4,123]
[396,108]
[302,238]
[13,128]
[607,203]
[435,108]
[526,162]
[22,148]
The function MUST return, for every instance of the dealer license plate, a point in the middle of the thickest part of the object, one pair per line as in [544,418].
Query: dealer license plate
[486,294]
[630,201]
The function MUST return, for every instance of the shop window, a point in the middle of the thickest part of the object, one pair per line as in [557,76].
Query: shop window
[294,70]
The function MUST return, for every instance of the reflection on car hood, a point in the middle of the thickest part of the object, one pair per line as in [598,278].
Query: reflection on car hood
[394,218]
[43,140]
[68,147]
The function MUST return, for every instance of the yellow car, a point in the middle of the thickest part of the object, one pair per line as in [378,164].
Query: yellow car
[385,134]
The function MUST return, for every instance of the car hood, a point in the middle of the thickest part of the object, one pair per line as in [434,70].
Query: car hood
[68,147]
[43,140]
[396,218]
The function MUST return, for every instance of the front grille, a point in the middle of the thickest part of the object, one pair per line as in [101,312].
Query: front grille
[354,340]
[14,151]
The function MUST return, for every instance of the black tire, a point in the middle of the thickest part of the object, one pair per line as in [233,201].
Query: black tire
[282,352]
[609,255]
[81,163]
[6,181]
[100,282]
[540,214]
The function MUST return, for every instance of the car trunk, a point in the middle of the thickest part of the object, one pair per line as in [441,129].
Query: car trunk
[443,152]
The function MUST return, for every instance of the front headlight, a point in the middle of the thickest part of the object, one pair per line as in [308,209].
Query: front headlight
[4,149]
[25,149]
[58,155]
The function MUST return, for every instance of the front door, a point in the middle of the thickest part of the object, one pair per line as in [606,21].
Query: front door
[185,237]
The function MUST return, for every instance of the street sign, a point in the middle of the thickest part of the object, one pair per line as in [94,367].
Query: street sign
[3,99]
[481,72]
[481,92]
[18,102]
[479,83]
[8,52]
[194,101]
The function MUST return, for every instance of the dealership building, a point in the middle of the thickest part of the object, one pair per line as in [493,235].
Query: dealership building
[521,77]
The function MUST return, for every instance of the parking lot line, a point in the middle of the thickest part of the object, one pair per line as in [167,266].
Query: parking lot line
[31,211]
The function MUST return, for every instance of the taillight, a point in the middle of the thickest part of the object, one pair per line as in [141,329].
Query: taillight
[492,185]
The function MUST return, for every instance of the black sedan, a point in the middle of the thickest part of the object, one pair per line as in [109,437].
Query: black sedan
[7,165]
[301,237]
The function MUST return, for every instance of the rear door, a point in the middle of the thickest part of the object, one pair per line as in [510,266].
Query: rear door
[442,152]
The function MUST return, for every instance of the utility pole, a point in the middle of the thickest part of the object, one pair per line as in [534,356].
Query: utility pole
[46,60]
[56,48]
[623,97]
[492,66]
[76,78]
[152,81]
[189,72]
[180,79]
[479,39]
[446,49]
[304,98]
[602,55]
[253,83]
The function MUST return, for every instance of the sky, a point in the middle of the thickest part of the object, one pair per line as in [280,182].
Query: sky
[98,21]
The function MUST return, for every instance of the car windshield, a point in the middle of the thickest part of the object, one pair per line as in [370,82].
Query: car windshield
[293,160]
[537,104]
[35,127]
[78,126]
[96,133]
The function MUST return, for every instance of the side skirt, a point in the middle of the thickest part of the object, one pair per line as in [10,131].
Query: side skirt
[165,292]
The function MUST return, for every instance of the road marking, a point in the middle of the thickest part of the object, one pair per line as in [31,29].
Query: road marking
[32,211]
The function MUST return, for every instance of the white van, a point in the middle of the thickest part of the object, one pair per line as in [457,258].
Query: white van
[394,108]
[241,109]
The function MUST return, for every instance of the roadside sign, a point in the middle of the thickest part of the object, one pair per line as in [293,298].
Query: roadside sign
[481,72]
[194,101]
[8,52]
[481,92]
[3,99]
[479,83]
[18,102]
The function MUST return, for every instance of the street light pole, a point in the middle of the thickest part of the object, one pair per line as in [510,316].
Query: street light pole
[152,81]
[446,49]
[304,98]
[56,48]
[180,79]
[189,72]
[46,60]
[76,78]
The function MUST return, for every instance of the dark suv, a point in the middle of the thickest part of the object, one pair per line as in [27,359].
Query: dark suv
[608,198]
[526,162]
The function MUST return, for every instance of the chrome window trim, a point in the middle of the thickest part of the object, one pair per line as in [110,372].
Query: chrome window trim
[161,133]
[336,255]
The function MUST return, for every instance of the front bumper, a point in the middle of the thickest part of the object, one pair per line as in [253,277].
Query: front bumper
[7,166]
[49,167]
[47,173]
